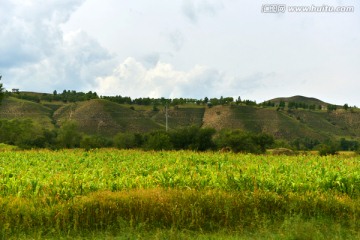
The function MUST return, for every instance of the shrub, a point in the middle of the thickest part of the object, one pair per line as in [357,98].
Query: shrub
[125,141]
[69,136]
[90,142]
[158,141]
[239,141]
[193,138]
[327,149]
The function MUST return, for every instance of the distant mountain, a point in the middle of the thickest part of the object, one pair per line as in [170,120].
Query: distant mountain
[103,117]
[300,99]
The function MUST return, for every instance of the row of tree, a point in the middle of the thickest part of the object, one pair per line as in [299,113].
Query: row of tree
[65,96]
[25,134]
[74,96]
[328,146]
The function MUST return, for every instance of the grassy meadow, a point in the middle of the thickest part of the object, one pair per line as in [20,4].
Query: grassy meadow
[132,194]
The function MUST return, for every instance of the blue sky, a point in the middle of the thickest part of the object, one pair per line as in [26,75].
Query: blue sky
[181,48]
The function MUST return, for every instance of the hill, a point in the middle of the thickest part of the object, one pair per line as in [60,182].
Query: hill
[13,108]
[286,124]
[300,99]
[107,118]
[103,117]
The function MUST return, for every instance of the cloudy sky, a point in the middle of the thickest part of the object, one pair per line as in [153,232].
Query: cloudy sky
[181,48]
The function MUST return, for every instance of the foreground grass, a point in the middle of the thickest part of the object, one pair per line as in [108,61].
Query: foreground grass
[163,214]
[113,194]
[292,228]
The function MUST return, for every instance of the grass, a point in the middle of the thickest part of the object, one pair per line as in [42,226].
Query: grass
[132,194]
[198,212]
[291,228]
[6,147]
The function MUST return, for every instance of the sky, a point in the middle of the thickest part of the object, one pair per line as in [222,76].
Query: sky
[182,48]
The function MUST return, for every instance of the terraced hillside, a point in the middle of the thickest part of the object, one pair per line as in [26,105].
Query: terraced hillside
[285,124]
[107,118]
[13,108]
[99,116]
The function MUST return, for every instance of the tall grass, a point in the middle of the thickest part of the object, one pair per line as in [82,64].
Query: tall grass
[67,193]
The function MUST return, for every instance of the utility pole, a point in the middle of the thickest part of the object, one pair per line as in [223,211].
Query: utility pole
[166,114]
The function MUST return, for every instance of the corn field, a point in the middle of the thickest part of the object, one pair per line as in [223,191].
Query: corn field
[74,190]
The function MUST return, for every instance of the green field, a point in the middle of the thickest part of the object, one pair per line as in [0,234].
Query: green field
[113,194]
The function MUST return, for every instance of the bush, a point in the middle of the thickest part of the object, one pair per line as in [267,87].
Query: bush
[69,136]
[158,141]
[239,141]
[126,141]
[327,149]
[22,133]
[193,138]
[184,138]
[204,139]
[90,142]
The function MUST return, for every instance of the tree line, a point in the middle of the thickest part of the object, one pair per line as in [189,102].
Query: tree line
[70,96]
[66,96]
[26,135]
[74,96]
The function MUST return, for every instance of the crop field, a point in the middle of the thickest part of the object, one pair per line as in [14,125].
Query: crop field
[131,194]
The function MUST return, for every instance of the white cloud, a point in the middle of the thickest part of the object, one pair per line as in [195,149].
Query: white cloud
[36,55]
[132,78]
[73,65]
[183,48]
[30,29]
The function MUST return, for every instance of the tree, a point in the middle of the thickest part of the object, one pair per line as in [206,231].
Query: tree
[331,107]
[158,141]
[184,138]
[22,133]
[96,141]
[206,100]
[204,139]
[238,100]
[264,141]
[327,149]
[68,136]
[282,105]
[346,106]
[239,141]
[1,91]
[125,140]
[348,145]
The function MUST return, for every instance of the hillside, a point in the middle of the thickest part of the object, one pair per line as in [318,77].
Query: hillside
[13,108]
[107,118]
[286,124]
[103,117]
[300,99]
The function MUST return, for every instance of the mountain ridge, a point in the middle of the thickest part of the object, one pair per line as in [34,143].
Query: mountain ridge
[104,117]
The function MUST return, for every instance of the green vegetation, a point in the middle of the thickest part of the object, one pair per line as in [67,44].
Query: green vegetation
[110,193]
[24,134]
[1,90]
[292,122]
[239,141]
